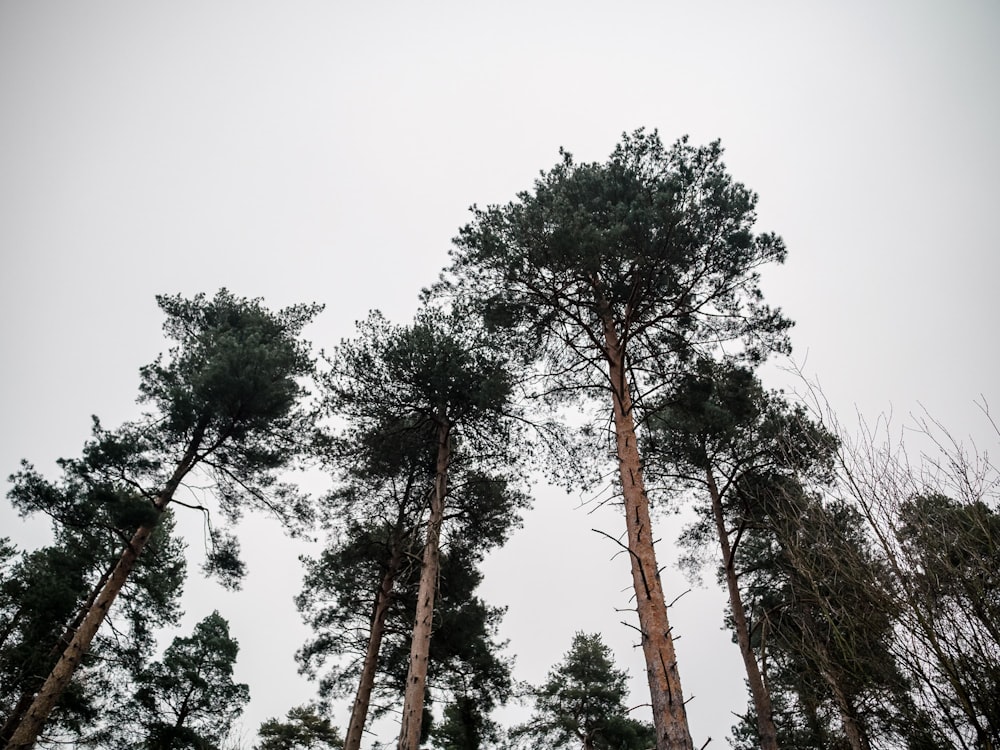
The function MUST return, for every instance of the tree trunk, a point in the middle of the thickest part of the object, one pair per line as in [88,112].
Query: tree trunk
[848,718]
[27,731]
[16,715]
[669,713]
[383,598]
[51,691]
[416,678]
[28,692]
[766,730]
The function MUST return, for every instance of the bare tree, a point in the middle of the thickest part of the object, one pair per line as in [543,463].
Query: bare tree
[930,503]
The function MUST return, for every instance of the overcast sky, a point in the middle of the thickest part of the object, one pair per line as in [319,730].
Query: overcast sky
[325,151]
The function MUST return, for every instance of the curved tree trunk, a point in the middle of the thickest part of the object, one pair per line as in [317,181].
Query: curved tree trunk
[416,677]
[669,713]
[766,731]
[383,598]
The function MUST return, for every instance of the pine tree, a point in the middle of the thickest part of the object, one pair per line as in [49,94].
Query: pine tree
[612,274]
[582,703]
[47,592]
[188,699]
[716,425]
[439,393]
[304,728]
[225,401]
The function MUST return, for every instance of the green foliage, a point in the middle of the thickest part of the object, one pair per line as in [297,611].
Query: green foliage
[43,593]
[233,372]
[952,549]
[717,415]
[465,726]
[231,391]
[305,728]
[188,699]
[226,401]
[658,241]
[337,600]
[396,385]
[338,597]
[464,654]
[583,701]
[816,594]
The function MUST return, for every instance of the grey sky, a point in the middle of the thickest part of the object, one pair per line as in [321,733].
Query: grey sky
[319,151]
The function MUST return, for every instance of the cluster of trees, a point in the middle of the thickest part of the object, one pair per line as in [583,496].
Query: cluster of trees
[865,600]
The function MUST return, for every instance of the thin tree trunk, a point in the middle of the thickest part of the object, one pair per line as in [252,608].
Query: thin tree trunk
[766,730]
[383,598]
[669,713]
[416,678]
[55,685]
[852,728]
[16,715]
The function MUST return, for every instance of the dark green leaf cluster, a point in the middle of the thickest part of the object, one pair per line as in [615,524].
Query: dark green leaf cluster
[230,393]
[304,728]
[396,385]
[234,370]
[717,415]
[188,699]
[43,595]
[658,242]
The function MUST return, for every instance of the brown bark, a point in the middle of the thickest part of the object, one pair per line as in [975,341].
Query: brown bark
[852,728]
[25,701]
[51,691]
[383,598]
[766,730]
[669,713]
[416,678]
[55,685]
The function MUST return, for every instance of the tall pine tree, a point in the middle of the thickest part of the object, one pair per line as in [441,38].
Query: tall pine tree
[612,274]
[440,389]
[225,401]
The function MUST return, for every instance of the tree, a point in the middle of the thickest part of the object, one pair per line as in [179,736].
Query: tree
[350,597]
[225,401]
[582,703]
[612,274]
[932,515]
[825,619]
[716,428]
[305,728]
[351,590]
[189,699]
[953,548]
[464,726]
[441,391]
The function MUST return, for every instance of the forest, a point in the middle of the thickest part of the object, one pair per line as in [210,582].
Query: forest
[607,324]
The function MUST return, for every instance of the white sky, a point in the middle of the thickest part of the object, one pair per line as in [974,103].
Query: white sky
[306,151]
